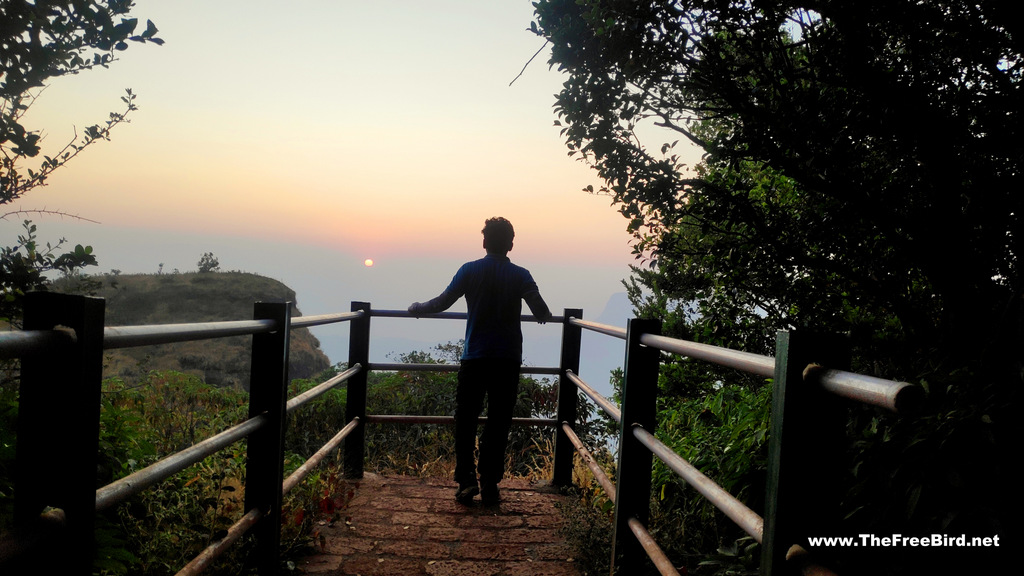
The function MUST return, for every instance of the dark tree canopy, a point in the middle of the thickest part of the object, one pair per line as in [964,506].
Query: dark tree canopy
[863,172]
[863,159]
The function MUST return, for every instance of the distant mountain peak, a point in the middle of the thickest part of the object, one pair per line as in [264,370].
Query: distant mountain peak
[616,311]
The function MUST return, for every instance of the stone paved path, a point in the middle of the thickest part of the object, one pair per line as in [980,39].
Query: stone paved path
[413,526]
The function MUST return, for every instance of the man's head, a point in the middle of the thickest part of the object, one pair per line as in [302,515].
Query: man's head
[498,235]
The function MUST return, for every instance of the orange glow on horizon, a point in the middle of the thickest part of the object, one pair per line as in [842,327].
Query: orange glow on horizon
[352,171]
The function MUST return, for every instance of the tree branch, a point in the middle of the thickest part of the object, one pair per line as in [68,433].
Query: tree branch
[528,63]
[46,212]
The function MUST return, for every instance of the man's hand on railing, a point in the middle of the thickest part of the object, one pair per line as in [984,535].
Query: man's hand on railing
[538,307]
[415,309]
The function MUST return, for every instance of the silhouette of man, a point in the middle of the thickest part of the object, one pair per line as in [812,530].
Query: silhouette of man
[494,288]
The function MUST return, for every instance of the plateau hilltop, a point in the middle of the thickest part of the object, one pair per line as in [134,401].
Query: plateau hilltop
[134,299]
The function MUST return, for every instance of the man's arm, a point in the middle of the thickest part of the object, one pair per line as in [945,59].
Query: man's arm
[537,306]
[439,304]
[443,301]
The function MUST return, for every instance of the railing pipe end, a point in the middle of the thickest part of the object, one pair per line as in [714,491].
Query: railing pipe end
[901,397]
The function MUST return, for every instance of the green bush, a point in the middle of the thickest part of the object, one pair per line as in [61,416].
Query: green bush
[165,526]
[725,436]
[316,422]
[429,449]
[723,432]
[160,530]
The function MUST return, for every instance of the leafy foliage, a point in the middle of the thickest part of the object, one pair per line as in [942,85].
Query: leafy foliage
[319,420]
[24,265]
[40,41]
[724,435]
[861,174]
[857,158]
[45,40]
[164,527]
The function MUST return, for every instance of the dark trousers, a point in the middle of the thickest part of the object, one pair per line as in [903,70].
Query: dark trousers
[498,380]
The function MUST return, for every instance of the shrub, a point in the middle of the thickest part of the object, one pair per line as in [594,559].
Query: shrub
[429,449]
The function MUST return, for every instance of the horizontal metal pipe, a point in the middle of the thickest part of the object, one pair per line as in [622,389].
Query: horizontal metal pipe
[602,328]
[447,315]
[319,389]
[16,344]
[307,321]
[130,485]
[243,525]
[745,361]
[552,370]
[412,367]
[654,552]
[610,408]
[588,459]
[743,516]
[407,314]
[302,471]
[899,397]
[147,335]
[421,419]
[236,531]
[424,367]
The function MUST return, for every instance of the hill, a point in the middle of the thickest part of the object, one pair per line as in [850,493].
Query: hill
[133,299]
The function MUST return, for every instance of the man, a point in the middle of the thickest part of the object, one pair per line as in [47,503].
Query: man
[494,289]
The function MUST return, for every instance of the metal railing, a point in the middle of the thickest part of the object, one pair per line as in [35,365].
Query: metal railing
[804,421]
[61,350]
[71,328]
[359,351]
[805,373]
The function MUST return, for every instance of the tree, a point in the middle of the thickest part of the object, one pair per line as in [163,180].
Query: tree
[209,263]
[40,41]
[45,40]
[874,146]
[862,172]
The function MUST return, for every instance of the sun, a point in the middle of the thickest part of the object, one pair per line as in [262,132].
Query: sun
[368,262]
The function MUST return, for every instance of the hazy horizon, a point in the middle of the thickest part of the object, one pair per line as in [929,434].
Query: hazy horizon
[298,143]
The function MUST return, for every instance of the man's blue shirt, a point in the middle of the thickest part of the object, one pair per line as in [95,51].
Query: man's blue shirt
[494,288]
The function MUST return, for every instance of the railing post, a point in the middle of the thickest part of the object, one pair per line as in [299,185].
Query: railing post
[58,428]
[268,390]
[639,397]
[804,448]
[567,395]
[355,406]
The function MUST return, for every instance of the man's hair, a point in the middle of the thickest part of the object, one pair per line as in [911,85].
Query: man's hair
[498,235]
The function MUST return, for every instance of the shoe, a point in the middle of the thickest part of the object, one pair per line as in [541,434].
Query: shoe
[490,495]
[465,494]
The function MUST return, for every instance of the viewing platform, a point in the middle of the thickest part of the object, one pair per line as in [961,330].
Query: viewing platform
[413,526]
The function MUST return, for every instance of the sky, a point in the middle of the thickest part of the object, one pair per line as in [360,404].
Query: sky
[296,143]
